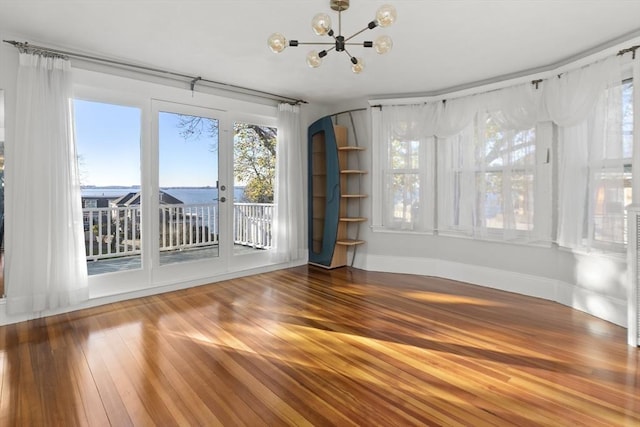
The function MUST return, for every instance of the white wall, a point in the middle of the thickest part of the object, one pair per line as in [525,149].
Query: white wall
[595,284]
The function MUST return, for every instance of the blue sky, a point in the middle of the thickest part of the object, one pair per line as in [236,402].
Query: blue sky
[108,141]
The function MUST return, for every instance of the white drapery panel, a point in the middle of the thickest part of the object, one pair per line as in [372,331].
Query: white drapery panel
[290,193]
[587,107]
[566,100]
[592,158]
[457,182]
[46,265]
[456,114]
[570,97]
[516,107]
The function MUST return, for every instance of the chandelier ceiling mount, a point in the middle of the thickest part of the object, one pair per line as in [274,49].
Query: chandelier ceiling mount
[321,25]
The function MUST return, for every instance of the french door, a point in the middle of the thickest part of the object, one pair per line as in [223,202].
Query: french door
[205,204]
[190,190]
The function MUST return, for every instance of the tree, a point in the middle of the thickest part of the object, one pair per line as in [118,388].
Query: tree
[254,150]
[255,160]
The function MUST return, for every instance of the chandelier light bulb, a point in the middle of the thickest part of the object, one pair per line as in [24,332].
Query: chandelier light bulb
[277,42]
[386,15]
[321,24]
[383,44]
[313,59]
[358,66]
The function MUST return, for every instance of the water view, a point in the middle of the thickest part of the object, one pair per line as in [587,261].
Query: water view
[187,195]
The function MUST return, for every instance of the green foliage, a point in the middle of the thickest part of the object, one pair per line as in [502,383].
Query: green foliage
[254,150]
[255,160]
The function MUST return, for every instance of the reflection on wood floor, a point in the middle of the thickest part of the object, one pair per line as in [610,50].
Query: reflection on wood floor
[307,346]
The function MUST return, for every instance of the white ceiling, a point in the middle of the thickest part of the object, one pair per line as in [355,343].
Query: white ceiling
[438,44]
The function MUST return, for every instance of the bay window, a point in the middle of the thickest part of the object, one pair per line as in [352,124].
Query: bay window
[537,164]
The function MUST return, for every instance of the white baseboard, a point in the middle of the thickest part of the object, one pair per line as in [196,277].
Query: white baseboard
[602,306]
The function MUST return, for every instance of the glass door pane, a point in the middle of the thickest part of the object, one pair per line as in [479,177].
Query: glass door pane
[108,147]
[188,187]
[254,163]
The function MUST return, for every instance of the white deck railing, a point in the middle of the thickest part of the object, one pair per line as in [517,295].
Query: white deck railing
[115,231]
[252,224]
[111,232]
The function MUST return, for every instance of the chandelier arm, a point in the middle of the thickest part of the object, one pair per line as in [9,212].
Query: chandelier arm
[347,52]
[319,44]
[368,27]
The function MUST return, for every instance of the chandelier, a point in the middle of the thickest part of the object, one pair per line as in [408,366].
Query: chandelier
[321,25]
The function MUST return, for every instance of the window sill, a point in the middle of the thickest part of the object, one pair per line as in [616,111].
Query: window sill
[382,229]
[614,255]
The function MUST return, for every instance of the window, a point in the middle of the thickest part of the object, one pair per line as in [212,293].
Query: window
[405,179]
[108,146]
[611,174]
[404,157]
[489,179]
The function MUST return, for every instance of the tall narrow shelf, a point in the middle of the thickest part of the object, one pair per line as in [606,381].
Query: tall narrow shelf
[332,201]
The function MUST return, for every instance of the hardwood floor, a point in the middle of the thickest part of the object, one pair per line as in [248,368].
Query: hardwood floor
[306,346]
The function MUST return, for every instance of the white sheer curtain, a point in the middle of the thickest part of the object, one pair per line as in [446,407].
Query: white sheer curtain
[587,107]
[45,266]
[290,193]
[487,181]
[407,166]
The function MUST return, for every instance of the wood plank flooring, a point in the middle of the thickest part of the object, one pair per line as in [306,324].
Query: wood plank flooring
[306,346]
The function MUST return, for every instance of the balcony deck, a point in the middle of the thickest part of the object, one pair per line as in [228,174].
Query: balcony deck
[187,232]
[112,265]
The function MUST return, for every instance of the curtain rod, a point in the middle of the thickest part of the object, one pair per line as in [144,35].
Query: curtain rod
[348,111]
[192,80]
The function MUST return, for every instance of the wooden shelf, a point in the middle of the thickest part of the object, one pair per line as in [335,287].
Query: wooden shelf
[349,242]
[353,219]
[327,139]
